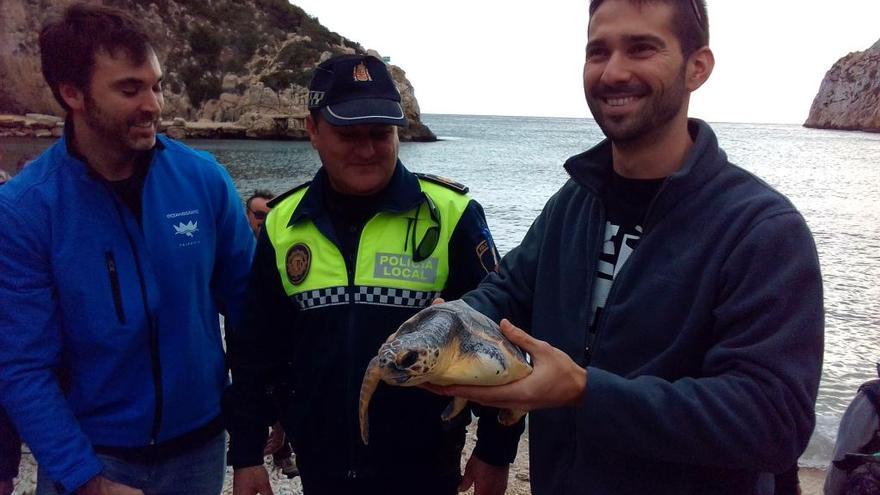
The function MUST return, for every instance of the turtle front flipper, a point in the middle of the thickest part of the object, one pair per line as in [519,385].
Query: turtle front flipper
[453,408]
[371,380]
[509,417]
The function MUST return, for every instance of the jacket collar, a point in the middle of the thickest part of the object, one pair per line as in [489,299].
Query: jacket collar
[402,193]
[592,169]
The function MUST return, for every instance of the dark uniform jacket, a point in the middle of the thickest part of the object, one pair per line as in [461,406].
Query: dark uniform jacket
[705,368]
[321,342]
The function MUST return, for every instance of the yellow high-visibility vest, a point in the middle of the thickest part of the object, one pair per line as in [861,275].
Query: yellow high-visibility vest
[313,269]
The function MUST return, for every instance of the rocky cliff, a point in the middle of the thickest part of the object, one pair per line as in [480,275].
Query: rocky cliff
[849,97]
[236,68]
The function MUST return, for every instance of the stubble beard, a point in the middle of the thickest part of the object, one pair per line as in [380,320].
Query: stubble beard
[114,131]
[660,109]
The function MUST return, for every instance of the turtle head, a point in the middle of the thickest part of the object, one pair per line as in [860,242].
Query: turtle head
[408,362]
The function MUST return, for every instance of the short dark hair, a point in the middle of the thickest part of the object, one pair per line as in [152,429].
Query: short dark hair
[690,19]
[259,193]
[68,45]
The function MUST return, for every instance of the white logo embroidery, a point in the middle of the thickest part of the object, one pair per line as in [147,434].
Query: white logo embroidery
[187,229]
[315,98]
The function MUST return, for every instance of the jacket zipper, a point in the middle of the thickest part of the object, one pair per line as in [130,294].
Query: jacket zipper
[593,342]
[351,263]
[151,324]
[593,336]
[114,285]
[651,207]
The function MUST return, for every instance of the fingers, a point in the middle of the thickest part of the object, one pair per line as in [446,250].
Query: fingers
[438,300]
[120,489]
[519,337]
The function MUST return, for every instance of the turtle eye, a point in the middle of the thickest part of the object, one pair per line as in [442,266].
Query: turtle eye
[408,359]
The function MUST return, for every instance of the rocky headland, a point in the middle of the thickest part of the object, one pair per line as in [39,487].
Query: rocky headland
[233,68]
[849,97]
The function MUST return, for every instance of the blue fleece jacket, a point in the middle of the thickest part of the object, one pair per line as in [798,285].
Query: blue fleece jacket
[707,360]
[129,311]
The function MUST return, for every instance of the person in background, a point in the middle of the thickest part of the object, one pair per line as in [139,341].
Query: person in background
[673,301]
[341,263]
[852,470]
[120,248]
[257,208]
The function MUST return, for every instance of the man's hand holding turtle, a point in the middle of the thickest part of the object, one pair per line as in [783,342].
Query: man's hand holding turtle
[556,381]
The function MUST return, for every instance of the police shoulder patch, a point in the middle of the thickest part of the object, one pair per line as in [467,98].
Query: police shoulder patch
[487,253]
[299,260]
[281,197]
[443,181]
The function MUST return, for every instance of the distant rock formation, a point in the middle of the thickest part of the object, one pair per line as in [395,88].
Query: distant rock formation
[849,98]
[233,68]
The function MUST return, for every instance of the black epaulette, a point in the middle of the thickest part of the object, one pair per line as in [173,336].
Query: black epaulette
[443,181]
[281,197]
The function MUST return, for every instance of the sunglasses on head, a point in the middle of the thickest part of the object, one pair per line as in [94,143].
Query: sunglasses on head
[696,9]
[429,241]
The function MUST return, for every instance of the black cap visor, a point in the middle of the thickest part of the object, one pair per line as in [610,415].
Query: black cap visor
[365,111]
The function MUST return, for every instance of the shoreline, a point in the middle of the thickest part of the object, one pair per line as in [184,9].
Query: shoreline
[266,127]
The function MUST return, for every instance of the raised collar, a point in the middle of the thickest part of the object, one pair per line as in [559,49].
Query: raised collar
[592,168]
[402,193]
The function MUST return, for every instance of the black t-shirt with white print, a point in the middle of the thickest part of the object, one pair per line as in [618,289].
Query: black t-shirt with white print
[626,203]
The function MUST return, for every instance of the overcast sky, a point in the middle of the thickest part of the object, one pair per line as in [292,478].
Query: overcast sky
[512,57]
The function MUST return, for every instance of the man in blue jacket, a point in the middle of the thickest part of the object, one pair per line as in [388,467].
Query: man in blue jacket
[674,300]
[120,248]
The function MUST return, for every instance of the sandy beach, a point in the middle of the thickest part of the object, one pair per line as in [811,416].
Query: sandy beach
[811,479]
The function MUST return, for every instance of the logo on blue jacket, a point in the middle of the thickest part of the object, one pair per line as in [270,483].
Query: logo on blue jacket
[187,229]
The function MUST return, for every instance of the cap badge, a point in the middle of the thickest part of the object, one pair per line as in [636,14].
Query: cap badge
[299,258]
[361,74]
[315,98]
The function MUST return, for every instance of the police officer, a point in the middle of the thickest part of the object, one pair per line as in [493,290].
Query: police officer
[342,261]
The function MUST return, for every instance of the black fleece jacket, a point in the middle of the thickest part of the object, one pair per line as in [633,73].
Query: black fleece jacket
[708,355]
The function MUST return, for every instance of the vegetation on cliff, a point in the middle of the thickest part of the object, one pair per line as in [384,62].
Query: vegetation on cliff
[235,61]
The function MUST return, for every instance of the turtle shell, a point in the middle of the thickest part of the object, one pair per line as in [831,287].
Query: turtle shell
[445,344]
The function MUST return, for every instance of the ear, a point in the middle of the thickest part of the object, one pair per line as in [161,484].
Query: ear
[700,65]
[73,96]
[312,129]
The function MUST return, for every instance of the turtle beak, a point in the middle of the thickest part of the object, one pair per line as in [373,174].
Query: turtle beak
[387,357]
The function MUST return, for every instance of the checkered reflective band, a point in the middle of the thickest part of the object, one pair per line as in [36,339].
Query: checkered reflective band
[382,296]
[321,297]
[385,296]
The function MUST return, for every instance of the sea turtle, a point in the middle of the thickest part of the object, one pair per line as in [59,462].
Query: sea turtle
[445,344]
